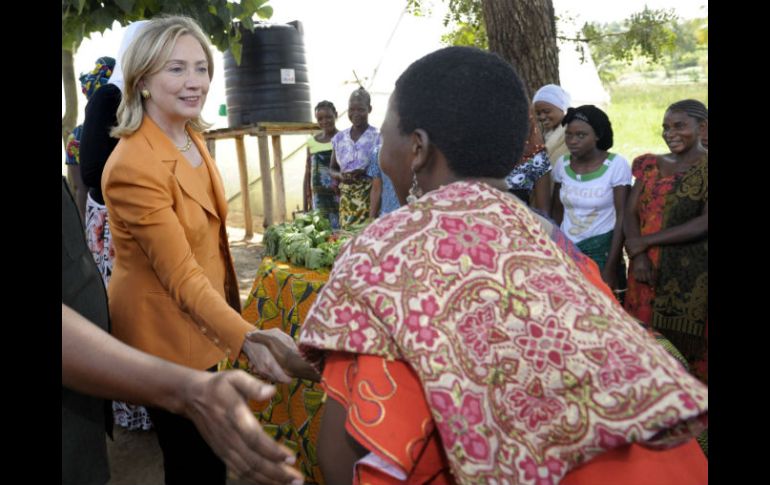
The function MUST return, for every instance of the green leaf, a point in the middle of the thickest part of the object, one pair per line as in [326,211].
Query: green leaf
[265,12]
[249,6]
[235,47]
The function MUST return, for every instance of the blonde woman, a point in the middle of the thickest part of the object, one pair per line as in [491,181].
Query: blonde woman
[173,292]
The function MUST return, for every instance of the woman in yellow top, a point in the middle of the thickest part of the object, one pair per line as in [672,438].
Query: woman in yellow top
[173,292]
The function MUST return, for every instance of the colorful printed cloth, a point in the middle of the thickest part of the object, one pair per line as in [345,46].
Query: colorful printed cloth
[72,149]
[528,370]
[280,298]
[521,180]
[355,199]
[89,83]
[677,305]
[99,238]
[388,414]
[97,77]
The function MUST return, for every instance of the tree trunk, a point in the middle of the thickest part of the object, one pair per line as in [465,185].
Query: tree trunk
[70,94]
[523,32]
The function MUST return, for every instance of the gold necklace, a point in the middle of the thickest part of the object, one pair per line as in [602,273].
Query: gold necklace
[187,145]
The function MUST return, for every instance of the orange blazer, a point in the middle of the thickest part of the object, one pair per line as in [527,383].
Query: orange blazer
[173,291]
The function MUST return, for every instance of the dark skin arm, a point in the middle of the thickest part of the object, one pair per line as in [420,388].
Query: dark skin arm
[557,209]
[541,194]
[337,450]
[609,272]
[691,230]
[641,267]
[307,204]
[94,362]
[334,167]
[375,198]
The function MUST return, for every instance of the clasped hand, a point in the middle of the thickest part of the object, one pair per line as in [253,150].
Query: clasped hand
[275,356]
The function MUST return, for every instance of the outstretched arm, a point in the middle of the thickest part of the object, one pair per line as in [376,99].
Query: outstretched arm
[95,363]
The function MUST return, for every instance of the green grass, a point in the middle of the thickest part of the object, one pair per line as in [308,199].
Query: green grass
[636,112]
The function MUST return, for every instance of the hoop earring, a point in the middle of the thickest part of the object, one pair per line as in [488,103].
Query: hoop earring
[145,93]
[415,192]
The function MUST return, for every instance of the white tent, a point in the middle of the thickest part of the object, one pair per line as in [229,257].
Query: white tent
[581,80]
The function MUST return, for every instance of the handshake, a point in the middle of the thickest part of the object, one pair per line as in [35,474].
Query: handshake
[274,356]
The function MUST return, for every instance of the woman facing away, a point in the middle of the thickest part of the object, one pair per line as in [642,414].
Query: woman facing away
[460,344]
[666,229]
[173,291]
[590,191]
[353,148]
[319,186]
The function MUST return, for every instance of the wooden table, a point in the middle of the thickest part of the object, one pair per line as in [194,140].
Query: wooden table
[261,130]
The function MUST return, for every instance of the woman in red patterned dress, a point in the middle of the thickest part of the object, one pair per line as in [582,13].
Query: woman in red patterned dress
[666,229]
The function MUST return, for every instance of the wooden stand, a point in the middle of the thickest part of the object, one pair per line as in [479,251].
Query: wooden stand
[262,130]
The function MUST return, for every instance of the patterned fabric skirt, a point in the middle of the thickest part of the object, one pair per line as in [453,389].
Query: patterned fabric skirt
[99,240]
[354,202]
[323,185]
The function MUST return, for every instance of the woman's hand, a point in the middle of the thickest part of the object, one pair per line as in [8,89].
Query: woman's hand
[217,404]
[284,352]
[353,175]
[635,246]
[263,363]
[642,269]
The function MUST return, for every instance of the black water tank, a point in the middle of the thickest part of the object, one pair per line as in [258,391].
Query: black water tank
[271,84]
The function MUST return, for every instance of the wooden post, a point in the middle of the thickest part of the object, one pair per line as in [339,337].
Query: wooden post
[280,190]
[241,150]
[267,184]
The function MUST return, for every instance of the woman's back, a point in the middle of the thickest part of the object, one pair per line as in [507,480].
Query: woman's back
[501,328]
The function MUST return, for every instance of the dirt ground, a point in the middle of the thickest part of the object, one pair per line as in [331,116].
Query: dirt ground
[135,457]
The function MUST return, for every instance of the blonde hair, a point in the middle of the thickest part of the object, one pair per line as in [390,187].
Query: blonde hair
[147,55]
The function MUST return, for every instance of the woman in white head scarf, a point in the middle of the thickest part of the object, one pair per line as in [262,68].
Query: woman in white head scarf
[551,103]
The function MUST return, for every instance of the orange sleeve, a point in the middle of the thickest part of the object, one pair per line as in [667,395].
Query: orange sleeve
[387,414]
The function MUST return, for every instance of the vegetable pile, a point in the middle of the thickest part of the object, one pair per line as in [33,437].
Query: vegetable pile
[306,241]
